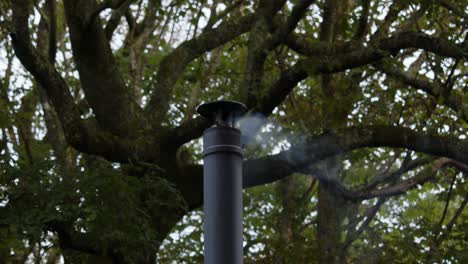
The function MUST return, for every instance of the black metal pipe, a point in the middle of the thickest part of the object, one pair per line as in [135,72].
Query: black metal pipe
[222,187]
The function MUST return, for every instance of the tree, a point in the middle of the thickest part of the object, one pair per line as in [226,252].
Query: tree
[352,104]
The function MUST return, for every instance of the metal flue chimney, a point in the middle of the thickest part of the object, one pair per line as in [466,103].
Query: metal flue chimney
[222,183]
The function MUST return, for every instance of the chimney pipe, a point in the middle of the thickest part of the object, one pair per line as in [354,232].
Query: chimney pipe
[222,183]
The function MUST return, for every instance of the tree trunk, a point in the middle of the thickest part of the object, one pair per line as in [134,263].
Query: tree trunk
[287,189]
[331,208]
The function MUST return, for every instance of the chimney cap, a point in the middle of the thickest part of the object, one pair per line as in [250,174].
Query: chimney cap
[223,112]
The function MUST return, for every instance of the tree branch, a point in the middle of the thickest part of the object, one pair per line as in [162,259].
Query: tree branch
[451,224]
[257,52]
[332,58]
[260,44]
[112,4]
[397,189]
[388,177]
[216,17]
[286,28]
[114,20]
[370,214]
[189,130]
[363,25]
[101,81]
[453,100]
[280,90]
[193,128]
[388,46]
[457,214]
[395,8]
[327,27]
[84,135]
[413,19]
[52,15]
[457,165]
[447,202]
[173,65]
[271,168]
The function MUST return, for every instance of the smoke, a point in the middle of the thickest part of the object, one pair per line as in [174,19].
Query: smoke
[257,129]
[250,125]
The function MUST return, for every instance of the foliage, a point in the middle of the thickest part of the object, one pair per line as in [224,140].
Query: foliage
[100,149]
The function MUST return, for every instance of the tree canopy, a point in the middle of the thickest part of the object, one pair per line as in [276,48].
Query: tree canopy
[356,137]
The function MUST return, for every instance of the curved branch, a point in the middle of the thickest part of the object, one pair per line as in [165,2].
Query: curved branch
[189,130]
[280,89]
[456,215]
[258,50]
[271,168]
[387,46]
[370,214]
[447,202]
[112,4]
[214,17]
[260,44]
[193,128]
[457,165]
[114,20]
[400,187]
[452,100]
[397,189]
[440,238]
[101,81]
[332,58]
[395,8]
[84,135]
[388,177]
[290,24]
[173,65]
[363,24]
